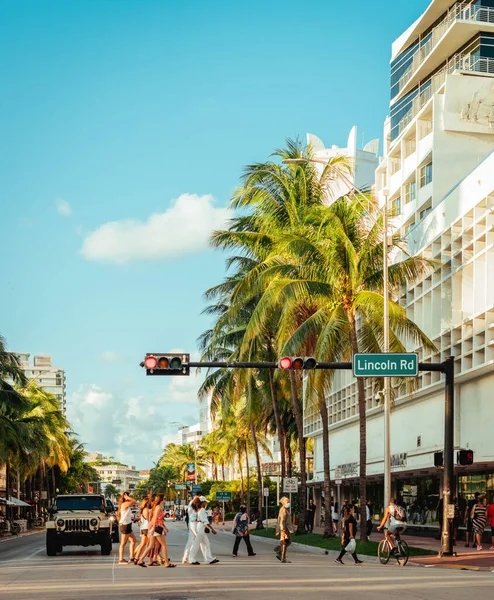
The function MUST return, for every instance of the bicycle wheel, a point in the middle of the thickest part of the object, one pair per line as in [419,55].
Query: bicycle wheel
[403,552]
[15,528]
[383,552]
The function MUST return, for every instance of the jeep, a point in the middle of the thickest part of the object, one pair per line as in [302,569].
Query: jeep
[80,520]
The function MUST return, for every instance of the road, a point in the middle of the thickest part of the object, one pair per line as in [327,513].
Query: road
[78,573]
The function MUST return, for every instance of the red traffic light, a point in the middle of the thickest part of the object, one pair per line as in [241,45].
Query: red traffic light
[464,457]
[285,363]
[150,362]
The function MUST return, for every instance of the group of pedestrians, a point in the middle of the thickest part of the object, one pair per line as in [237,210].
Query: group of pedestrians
[153,532]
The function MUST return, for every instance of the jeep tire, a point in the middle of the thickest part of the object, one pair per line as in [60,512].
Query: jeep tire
[115,537]
[106,544]
[52,544]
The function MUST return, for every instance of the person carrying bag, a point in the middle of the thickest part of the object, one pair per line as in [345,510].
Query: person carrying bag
[348,543]
[241,531]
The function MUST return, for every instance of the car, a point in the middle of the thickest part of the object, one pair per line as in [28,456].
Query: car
[135,514]
[80,520]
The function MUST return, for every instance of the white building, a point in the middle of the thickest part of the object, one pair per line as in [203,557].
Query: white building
[50,378]
[364,162]
[123,477]
[438,177]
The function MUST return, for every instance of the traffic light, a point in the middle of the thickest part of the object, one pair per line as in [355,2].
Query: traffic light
[297,363]
[464,457]
[157,363]
[438,459]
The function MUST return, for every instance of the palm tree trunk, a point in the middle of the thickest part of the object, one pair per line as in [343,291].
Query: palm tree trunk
[301,449]
[246,450]
[241,478]
[279,425]
[289,459]
[223,470]
[362,410]
[260,491]
[328,520]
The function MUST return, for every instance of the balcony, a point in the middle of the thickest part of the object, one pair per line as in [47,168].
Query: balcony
[460,63]
[462,22]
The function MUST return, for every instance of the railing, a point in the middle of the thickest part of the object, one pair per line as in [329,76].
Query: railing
[458,12]
[467,62]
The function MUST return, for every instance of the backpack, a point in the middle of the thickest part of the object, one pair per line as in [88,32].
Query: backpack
[400,514]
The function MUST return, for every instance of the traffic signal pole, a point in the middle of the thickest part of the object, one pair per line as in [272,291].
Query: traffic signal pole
[448,473]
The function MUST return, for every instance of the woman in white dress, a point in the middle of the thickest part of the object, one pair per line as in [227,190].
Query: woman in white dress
[201,539]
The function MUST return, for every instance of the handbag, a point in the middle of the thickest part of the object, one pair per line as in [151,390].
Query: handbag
[207,530]
[158,529]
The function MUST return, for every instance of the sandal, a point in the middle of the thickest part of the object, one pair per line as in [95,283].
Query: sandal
[154,564]
[170,566]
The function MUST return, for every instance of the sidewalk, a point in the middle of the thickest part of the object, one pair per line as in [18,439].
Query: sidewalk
[9,538]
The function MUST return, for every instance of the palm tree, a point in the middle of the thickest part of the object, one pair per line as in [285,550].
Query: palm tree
[111,491]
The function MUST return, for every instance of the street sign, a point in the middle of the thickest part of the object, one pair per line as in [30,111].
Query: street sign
[196,489]
[386,365]
[180,486]
[266,492]
[223,496]
[450,511]
[117,481]
[337,476]
[290,484]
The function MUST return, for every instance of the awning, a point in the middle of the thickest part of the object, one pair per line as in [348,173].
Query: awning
[7,502]
[17,502]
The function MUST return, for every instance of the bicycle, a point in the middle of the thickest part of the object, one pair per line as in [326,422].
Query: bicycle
[402,552]
[10,526]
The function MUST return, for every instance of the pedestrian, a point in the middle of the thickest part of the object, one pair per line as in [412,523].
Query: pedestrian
[215,515]
[157,532]
[191,520]
[124,515]
[468,519]
[284,529]
[490,518]
[241,531]
[368,516]
[335,517]
[310,514]
[209,513]
[348,543]
[201,541]
[479,519]
[140,552]
[346,504]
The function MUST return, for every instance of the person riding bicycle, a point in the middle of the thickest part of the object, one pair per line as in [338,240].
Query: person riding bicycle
[394,521]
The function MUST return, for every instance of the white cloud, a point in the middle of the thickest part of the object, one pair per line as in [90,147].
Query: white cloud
[133,429]
[63,207]
[184,228]
[111,357]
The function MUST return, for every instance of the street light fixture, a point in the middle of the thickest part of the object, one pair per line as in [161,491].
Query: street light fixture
[387,383]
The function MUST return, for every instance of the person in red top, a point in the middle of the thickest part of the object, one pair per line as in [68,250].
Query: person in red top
[490,518]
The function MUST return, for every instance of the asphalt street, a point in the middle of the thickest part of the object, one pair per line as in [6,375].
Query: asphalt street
[77,573]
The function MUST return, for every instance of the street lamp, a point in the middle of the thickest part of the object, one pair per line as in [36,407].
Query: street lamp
[387,383]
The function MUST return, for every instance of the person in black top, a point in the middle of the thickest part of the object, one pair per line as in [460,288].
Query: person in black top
[310,513]
[349,531]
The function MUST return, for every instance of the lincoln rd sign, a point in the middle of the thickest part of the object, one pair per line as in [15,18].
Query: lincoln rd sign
[386,365]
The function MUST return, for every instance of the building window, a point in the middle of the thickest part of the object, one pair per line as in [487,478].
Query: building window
[426,174]
[410,192]
[396,206]
[424,212]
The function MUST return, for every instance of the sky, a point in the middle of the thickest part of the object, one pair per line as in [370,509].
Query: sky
[124,128]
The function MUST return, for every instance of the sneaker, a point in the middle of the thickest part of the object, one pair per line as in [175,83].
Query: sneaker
[278,556]
[214,561]
[358,561]
[339,561]
[479,547]
[195,563]
[253,554]
[467,545]
[234,555]
[491,548]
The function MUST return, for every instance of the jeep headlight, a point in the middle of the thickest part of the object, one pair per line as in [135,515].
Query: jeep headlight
[60,523]
[93,522]
[112,518]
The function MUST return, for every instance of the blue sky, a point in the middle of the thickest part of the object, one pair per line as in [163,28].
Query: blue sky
[125,126]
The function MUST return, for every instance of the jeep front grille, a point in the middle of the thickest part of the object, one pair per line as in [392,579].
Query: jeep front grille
[77,525]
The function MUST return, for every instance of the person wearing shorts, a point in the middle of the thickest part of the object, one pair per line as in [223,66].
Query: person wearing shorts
[125,524]
[391,524]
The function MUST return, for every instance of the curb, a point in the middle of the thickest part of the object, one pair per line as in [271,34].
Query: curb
[3,540]
[453,566]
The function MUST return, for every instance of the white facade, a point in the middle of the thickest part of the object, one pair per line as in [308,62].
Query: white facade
[128,476]
[362,161]
[50,378]
[438,178]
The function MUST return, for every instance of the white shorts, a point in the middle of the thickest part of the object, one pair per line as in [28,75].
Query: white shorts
[394,527]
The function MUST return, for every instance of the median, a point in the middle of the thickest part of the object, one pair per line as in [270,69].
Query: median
[316,540]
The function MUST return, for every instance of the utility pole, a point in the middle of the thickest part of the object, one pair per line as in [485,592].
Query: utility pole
[387,380]
[448,474]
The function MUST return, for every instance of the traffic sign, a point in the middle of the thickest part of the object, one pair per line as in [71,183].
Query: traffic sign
[337,476]
[290,484]
[386,365]
[223,496]
[196,488]
[266,492]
